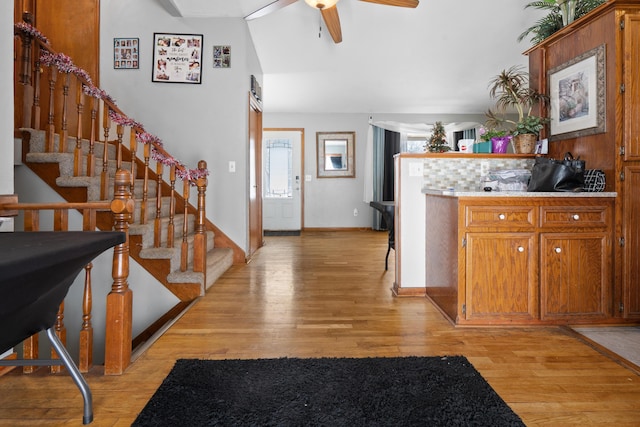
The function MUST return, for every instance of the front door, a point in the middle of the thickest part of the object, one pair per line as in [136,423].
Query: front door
[282,179]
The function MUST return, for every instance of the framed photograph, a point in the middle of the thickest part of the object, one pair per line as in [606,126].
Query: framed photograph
[336,154]
[222,56]
[577,96]
[126,53]
[177,58]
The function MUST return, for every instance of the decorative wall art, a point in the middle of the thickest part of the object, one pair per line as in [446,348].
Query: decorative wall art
[336,154]
[125,53]
[222,57]
[577,96]
[177,58]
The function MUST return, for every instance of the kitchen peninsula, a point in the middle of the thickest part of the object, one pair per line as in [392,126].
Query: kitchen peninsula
[519,258]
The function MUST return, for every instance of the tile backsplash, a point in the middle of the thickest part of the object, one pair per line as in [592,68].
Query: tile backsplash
[464,174]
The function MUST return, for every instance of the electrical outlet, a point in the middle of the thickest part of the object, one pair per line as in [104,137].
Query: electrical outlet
[232,166]
[484,168]
[355,212]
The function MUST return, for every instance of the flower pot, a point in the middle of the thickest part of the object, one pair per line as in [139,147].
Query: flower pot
[568,11]
[524,143]
[499,144]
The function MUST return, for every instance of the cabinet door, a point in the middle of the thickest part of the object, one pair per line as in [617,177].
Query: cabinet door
[500,277]
[631,249]
[575,277]
[631,94]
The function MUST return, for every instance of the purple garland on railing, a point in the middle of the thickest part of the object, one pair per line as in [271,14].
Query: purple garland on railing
[66,65]
[32,31]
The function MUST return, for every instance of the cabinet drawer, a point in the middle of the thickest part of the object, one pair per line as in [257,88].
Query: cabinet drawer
[574,216]
[499,216]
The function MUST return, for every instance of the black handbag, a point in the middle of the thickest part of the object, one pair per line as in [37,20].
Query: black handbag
[557,175]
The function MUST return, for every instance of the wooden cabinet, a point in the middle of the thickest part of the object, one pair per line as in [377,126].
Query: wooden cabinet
[616,151]
[525,260]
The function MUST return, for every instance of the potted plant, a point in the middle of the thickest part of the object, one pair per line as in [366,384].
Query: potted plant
[511,91]
[499,138]
[561,13]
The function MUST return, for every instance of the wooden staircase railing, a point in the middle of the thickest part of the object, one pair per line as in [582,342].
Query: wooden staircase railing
[119,300]
[78,119]
[41,64]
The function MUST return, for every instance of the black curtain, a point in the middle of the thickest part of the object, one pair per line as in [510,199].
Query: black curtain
[391,148]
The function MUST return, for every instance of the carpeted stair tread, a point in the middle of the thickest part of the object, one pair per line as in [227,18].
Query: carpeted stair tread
[218,261]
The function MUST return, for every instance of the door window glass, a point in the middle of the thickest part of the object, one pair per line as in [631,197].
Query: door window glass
[278,168]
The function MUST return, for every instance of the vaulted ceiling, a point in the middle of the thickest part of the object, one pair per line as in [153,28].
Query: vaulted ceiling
[436,58]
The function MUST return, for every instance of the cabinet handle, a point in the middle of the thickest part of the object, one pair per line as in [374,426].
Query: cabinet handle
[558,250]
[501,216]
[576,217]
[520,249]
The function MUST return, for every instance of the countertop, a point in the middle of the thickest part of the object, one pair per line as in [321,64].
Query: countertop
[470,193]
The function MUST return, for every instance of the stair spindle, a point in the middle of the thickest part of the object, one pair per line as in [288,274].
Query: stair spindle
[25,79]
[157,225]
[91,156]
[77,153]
[64,132]
[184,254]
[37,72]
[133,148]
[119,133]
[85,346]
[30,347]
[51,128]
[104,177]
[145,185]
[171,229]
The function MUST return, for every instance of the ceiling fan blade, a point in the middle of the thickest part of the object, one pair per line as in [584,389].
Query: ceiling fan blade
[270,8]
[399,3]
[332,21]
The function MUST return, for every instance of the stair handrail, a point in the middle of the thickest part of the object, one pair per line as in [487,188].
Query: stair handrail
[65,63]
[112,113]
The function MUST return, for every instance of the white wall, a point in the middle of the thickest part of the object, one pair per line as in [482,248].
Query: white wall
[6,109]
[207,121]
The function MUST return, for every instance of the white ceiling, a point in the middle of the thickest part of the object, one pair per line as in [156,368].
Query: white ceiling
[437,58]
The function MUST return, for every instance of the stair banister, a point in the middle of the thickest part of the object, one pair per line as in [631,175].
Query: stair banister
[120,300]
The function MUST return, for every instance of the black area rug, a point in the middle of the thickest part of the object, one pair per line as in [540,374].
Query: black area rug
[407,391]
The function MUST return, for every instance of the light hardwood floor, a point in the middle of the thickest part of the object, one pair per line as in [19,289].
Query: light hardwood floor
[327,294]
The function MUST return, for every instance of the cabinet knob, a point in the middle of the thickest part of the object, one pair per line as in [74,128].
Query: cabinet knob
[520,249]
[501,216]
[558,250]
[576,217]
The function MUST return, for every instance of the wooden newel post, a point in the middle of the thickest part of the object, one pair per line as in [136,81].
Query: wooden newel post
[120,299]
[200,238]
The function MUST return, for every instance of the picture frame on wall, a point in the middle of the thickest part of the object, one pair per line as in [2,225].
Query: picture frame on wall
[222,56]
[126,53]
[577,96]
[335,154]
[177,58]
